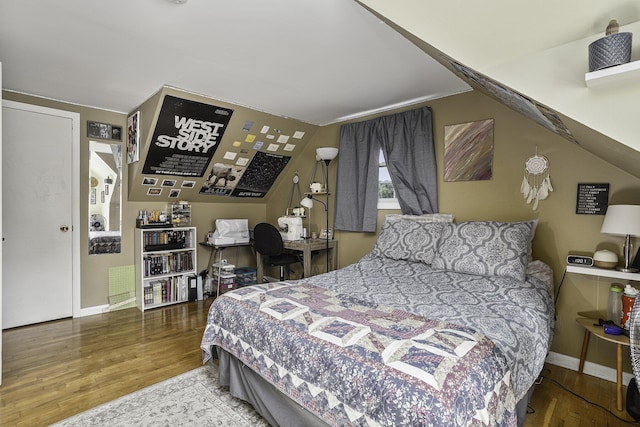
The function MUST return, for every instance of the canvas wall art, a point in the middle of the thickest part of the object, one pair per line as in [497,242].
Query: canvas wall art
[468,151]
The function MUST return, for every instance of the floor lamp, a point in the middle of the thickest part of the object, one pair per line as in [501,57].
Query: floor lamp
[326,154]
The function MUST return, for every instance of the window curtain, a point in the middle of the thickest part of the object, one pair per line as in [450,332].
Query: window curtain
[406,140]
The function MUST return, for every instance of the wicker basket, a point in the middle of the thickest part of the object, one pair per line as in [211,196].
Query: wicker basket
[614,49]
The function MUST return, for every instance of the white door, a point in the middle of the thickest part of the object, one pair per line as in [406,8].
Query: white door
[0,224]
[37,212]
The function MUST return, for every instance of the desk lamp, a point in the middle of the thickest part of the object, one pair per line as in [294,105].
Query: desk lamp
[326,154]
[623,220]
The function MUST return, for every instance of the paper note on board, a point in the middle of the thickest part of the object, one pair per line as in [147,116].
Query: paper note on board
[247,125]
[242,161]
[283,138]
[298,134]
[273,147]
[264,129]
[250,138]
[289,147]
[229,155]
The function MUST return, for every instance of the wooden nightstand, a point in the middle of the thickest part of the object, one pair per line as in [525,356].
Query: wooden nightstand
[589,328]
[619,340]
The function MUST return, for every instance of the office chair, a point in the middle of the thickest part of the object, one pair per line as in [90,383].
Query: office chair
[268,243]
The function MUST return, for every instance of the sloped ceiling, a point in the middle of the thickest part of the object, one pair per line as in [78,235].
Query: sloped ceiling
[324,61]
[540,50]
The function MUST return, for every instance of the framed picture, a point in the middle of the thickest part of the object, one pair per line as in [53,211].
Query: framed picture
[323,234]
[103,131]
[92,196]
[133,138]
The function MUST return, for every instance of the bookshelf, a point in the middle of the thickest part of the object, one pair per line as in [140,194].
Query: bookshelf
[165,260]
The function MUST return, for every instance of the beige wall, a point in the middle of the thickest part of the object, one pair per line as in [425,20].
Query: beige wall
[94,269]
[560,230]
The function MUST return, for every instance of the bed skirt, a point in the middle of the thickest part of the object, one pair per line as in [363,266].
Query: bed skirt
[277,408]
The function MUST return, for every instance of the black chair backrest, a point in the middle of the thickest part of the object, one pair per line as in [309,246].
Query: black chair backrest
[267,239]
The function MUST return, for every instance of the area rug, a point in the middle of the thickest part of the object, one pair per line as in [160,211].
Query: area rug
[190,399]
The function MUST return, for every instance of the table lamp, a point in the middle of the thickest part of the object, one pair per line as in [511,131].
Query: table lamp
[623,220]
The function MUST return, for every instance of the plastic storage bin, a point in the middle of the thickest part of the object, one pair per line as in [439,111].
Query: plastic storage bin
[246,276]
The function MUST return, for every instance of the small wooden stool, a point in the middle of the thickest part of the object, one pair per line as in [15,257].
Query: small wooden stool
[619,340]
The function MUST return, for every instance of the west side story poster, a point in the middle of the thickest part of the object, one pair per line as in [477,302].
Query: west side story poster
[186,136]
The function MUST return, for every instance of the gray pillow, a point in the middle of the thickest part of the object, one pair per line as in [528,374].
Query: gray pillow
[410,238]
[435,217]
[485,248]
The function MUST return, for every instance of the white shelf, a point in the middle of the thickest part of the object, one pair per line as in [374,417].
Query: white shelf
[619,74]
[603,272]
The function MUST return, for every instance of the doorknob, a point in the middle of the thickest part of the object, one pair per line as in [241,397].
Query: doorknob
[64,228]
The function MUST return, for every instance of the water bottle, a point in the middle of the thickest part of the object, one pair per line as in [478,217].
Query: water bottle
[614,306]
[628,299]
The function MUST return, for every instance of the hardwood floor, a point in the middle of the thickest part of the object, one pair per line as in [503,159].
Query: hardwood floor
[56,369]
[555,406]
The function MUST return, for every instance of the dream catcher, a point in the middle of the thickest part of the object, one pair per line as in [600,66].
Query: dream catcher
[536,184]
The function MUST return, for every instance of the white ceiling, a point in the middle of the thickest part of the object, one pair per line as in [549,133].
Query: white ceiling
[318,61]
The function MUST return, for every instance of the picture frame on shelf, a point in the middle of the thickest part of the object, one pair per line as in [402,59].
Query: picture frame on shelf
[323,233]
[104,131]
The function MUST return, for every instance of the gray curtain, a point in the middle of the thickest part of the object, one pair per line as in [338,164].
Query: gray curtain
[406,140]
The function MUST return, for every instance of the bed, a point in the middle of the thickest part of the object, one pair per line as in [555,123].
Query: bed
[441,324]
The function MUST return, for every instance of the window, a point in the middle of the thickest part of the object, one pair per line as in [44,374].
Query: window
[386,193]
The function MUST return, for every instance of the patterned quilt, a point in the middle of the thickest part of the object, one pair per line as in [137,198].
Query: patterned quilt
[517,316]
[352,361]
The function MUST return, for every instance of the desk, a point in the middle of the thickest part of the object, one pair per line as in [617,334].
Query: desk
[306,247]
[619,340]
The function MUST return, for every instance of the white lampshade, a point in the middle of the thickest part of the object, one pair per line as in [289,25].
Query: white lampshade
[307,202]
[326,153]
[622,220]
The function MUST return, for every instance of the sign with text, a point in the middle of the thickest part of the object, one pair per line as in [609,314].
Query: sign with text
[592,198]
[186,136]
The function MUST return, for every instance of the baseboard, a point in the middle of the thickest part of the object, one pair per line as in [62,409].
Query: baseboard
[593,369]
[90,311]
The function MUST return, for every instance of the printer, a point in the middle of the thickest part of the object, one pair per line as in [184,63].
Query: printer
[229,232]
[291,227]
